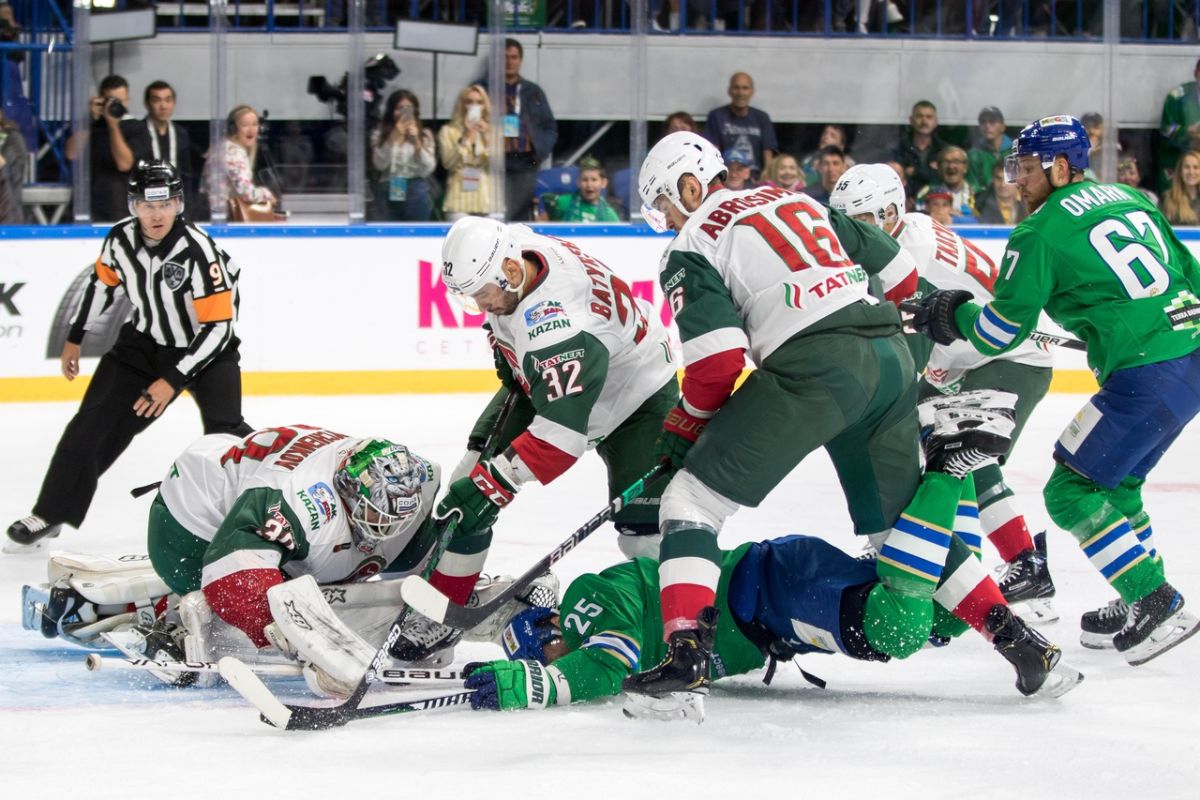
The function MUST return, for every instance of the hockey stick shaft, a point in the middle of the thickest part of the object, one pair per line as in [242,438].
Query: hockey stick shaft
[1061,341]
[419,594]
[393,675]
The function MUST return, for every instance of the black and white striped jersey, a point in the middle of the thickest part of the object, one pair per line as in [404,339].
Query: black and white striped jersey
[183,290]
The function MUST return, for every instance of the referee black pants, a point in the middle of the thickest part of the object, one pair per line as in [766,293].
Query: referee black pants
[105,423]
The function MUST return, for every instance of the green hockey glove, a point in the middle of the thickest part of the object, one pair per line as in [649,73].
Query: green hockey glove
[477,499]
[680,431]
[505,685]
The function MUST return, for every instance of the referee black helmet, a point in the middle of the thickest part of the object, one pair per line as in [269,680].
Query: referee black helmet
[155,180]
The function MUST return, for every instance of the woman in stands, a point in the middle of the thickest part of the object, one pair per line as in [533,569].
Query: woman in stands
[463,149]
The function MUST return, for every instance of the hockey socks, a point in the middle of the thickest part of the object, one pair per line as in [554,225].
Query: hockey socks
[914,553]
[966,592]
[688,571]
[457,572]
[1002,521]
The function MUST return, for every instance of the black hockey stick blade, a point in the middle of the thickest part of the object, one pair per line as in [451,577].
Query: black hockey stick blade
[1061,341]
[306,718]
[418,593]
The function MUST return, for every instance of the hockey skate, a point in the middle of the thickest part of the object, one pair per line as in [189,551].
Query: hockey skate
[960,439]
[425,643]
[675,689]
[29,535]
[1027,586]
[1155,624]
[1038,663]
[1098,627]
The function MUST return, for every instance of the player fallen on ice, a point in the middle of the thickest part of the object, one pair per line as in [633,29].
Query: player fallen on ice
[1105,265]
[873,193]
[783,597]
[592,367]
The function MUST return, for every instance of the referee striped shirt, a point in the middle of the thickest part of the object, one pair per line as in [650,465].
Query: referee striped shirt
[183,291]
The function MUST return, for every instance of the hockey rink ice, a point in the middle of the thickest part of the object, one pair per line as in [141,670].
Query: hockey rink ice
[946,723]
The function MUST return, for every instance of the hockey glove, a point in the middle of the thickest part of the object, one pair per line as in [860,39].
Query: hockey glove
[933,314]
[680,431]
[477,499]
[506,685]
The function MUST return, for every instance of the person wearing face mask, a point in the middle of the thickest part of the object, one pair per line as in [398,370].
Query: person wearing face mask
[183,288]
[403,156]
[241,151]
[463,150]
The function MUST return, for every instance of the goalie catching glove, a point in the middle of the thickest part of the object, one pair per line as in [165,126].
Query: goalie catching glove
[933,314]
[679,433]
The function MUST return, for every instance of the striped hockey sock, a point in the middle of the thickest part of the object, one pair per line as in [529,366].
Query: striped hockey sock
[1002,519]
[914,553]
[457,572]
[688,571]
[967,523]
[967,591]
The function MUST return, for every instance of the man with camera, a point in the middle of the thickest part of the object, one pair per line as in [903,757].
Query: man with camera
[110,155]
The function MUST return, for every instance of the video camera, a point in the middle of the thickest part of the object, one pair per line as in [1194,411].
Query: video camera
[378,70]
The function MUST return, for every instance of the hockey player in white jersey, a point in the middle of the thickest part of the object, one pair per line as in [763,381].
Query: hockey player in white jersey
[593,368]
[873,193]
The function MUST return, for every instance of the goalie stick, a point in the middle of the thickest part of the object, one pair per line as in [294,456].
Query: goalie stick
[418,593]
[315,718]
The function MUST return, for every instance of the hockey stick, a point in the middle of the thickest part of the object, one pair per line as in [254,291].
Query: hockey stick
[394,676]
[419,594]
[292,717]
[1061,341]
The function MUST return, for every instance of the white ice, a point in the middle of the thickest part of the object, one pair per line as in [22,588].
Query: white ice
[946,723]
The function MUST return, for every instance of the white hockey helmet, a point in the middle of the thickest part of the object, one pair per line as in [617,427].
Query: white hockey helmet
[869,189]
[473,255]
[380,484]
[677,154]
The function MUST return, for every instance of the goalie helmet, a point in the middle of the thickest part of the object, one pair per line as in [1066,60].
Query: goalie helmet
[473,257]
[677,154]
[869,189]
[380,483]
[1048,138]
[152,181]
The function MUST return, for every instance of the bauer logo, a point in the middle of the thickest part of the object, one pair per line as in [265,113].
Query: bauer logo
[544,311]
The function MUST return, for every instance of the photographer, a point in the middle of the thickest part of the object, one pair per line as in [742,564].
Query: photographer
[108,148]
[403,155]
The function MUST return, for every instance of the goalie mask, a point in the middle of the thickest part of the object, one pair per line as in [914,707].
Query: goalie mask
[869,189]
[677,154]
[380,483]
[473,256]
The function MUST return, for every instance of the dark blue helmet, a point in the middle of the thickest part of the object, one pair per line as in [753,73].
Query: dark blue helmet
[1047,138]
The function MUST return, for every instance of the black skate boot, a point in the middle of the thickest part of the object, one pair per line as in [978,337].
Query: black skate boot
[1027,586]
[964,439]
[425,642]
[28,534]
[1098,627]
[1036,661]
[1155,624]
[675,689]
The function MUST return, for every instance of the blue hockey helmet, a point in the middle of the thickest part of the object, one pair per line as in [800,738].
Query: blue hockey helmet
[1047,138]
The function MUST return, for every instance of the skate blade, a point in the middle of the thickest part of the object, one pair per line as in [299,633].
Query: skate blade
[1174,630]
[671,707]
[1097,641]
[15,548]
[33,604]
[1062,679]
[1036,612]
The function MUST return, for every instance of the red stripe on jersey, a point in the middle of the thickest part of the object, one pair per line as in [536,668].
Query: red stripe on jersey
[974,608]
[708,382]
[456,587]
[1012,538]
[544,460]
[903,290]
[241,600]
[681,604]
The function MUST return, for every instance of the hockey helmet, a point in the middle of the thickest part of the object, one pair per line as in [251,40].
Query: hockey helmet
[1048,138]
[473,256]
[677,154]
[869,189]
[151,181]
[380,483]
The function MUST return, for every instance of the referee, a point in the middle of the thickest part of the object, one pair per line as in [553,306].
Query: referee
[180,336]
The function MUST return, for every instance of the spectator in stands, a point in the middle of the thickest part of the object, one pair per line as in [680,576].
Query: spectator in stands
[587,204]
[1130,174]
[830,135]
[990,146]
[109,154]
[919,146]
[403,156]
[530,133]
[1181,202]
[738,169]
[14,158]
[784,173]
[952,171]
[1180,126]
[463,149]
[1000,203]
[740,126]
[679,121]
[937,204]
[236,182]
[157,138]
[829,169]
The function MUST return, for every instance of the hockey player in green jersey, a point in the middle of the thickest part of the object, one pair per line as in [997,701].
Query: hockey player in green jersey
[873,193]
[776,276]
[1106,266]
[778,598]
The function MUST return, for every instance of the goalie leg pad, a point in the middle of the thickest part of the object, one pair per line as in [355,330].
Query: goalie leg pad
[318,636]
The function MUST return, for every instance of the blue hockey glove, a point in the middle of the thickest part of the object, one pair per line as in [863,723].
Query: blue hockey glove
[507,685]
[933,314]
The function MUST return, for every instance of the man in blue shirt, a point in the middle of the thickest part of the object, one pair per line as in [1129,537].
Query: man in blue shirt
[741,127]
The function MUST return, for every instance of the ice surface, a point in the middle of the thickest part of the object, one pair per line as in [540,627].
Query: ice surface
[946,723]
